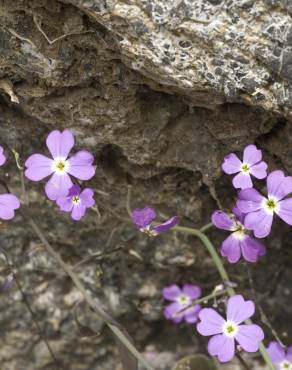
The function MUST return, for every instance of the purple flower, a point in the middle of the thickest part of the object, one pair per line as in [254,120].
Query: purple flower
[2,156]
[226,332]
[76,201]
[143,218]
[239,242]
[281,358]
[252,165]
[181,299]
[8,204]
[260,210]
[60,167]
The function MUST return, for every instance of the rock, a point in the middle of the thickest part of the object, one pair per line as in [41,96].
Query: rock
[160,91]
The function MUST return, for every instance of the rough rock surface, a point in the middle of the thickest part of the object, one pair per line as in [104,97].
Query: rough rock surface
[160,91]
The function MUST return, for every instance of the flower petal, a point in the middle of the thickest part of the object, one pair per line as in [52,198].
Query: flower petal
[192,291]
[239,310]
[2,156]
[278,184]
[142,217]
[171,312]
[250,200]
[259,170]
[260,222]
[191,314]
[65,204]
[60,143]
[222,347]
[211,322]
[289,352]
[223,221]
[80,165]
[38,167]
[251,249]
[58,186]
[276,352]
[8,203]
[285,210]
[78,212]
[165,226]
[230,248]
[252,155]
[237,212]
[171,292]
[232,164]
[242,181]
[86,197]
[249,337]
[74,190]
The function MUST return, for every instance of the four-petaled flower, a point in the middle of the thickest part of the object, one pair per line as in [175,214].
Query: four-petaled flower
[239,242]
[281,358]
[252,165]
[2,156]
[76,201]
[143,218]
[260,210]
[8,204]
[182,298]
[60,167]
[226,332]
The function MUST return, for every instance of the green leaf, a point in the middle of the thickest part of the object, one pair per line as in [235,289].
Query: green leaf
[195,362]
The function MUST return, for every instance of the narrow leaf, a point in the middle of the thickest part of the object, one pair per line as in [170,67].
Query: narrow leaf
[129,361]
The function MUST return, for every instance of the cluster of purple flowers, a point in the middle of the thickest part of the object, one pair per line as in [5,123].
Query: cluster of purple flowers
[253,211]
[8,202]
[224,332]
[60,188]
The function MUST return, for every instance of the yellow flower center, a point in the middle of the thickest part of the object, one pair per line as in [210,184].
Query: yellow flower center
[240,231]
[184,300]
[147,231]
[75,200]
[245,168]
[271,205]
[60,166]
[286,365]
[230,329]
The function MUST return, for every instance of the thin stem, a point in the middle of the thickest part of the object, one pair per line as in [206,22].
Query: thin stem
[98,310]
[206,227]
[264,317]
[224,276]
[75,279]
[212,295]
[205,240]
[128,201]
[97,255]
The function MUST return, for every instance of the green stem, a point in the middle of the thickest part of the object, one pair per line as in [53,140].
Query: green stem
[217,260]
[206,227]
[224,276]
[212,295]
